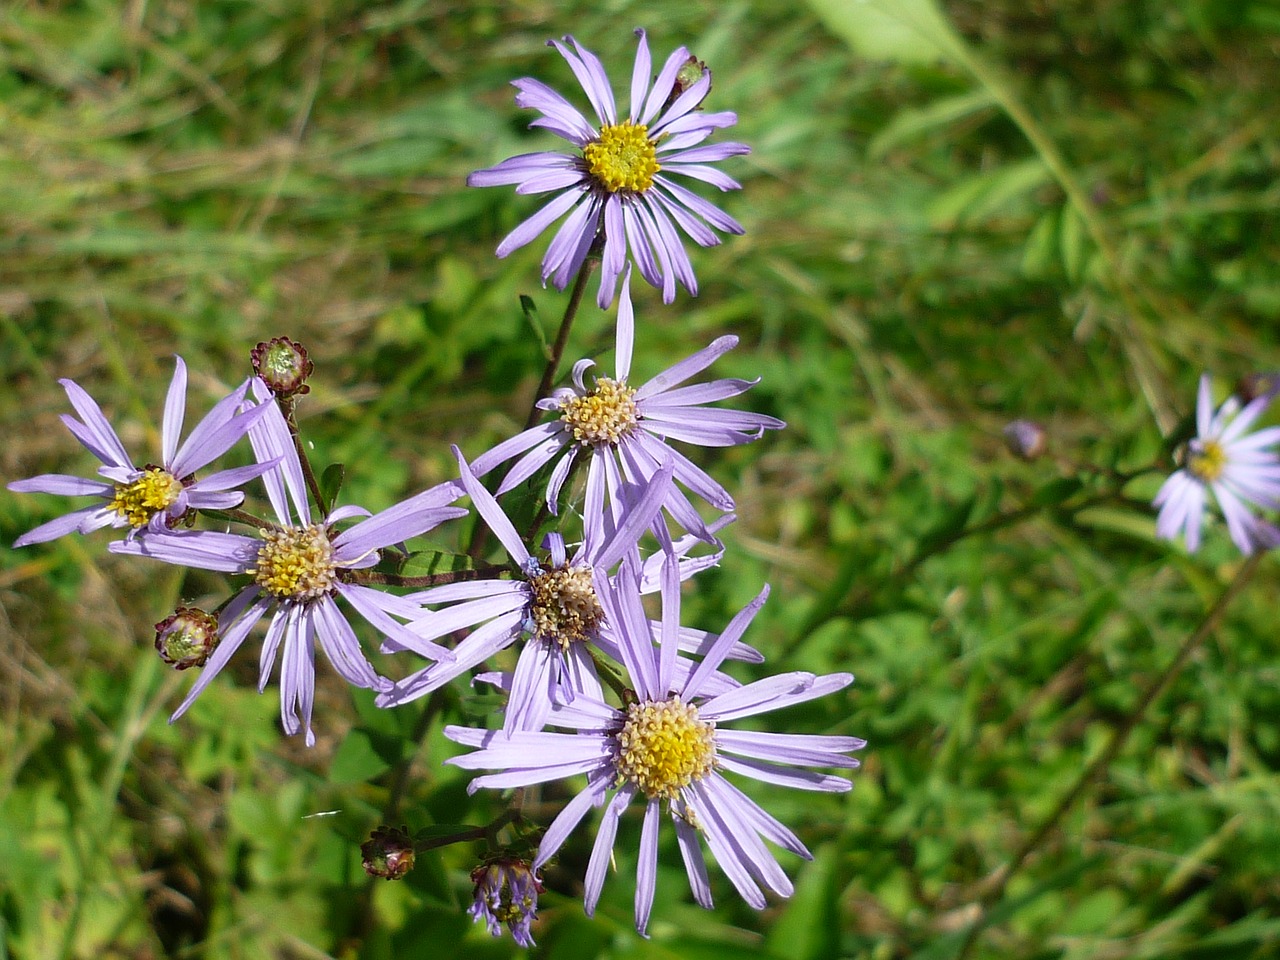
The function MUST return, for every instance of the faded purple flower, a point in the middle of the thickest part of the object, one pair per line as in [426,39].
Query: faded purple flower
[150,498]
[506,892]
[297,573]
[671,747]
[620,183]
[1240,469]
[625,429]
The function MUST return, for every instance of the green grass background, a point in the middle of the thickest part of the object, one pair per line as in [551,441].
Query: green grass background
[1064,210]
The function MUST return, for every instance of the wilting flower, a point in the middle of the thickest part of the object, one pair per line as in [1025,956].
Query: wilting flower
[670,747]
[619,184]
[153,497]
[556,605]
[624,429]
[297,569]
[506,891]
[1237,467]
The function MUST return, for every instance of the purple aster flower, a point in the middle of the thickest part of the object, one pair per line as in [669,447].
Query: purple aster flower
[1237,467]
[153,497]
[506,891]
[555,605]
[620,184]
[624,429]
[671,746]
[297,573]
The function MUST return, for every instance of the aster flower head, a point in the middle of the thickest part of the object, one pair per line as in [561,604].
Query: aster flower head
[1241,471]
[669,748]
[619,184]
[506,892]
[153,497]
[624,429]
[553,602]
[297,573]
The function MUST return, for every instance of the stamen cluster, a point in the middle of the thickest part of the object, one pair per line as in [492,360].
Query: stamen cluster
[623,159]
[663,747]
[565,608]
[1206,459]
[604,416]
[296,563]
[140,500]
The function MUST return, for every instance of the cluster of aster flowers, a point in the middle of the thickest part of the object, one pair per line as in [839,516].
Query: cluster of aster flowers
[634,701]
[604,681]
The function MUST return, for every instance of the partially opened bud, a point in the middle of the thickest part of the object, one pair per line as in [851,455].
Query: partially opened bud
[187,637]
[1026,439]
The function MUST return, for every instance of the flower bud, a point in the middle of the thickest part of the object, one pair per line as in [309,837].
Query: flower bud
[689,73]
[1026,439]
[1254,385]
[388,853]
[506,892]
[283,366]
[187,637]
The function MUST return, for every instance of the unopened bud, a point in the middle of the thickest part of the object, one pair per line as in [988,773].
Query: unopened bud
[1026,439]
[187,637]
[689,73]
[388,853]
[283,366]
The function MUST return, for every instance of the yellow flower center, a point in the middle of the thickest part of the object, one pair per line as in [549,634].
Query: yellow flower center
[1207,460]
[564,608]
[142,499]
[605,415]
[624,158]
[295,563]
[663,747]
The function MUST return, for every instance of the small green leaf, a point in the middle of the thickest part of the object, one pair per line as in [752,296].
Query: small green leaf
[357,760]
[530,310]
[331,483]
[428,562]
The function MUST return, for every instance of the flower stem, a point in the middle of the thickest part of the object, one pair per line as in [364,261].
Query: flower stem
[998,882]
[239,516]
[566,324]
[426,580]
[286,407]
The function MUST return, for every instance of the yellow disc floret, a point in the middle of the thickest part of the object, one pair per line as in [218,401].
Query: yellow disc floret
[605,415]
[141,499]
[1207,460]
[624,158]
[564,608]
[663,747]
[295,563]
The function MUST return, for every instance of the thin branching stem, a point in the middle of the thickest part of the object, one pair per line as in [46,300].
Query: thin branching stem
[999,881]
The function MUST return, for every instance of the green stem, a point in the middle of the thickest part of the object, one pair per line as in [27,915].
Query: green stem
[566,324]
[426,580]
[313,486]
[999,882]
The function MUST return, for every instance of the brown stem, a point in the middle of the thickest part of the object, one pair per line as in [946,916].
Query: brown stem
[239,516]
[999,882]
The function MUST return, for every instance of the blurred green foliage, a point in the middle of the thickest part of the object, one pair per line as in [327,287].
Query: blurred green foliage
[955,216]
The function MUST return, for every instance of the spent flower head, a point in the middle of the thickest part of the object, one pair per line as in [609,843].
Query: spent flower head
[506,893]
[1241,471]
[187,637]
[283,365]
[388,853]
[618,188]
